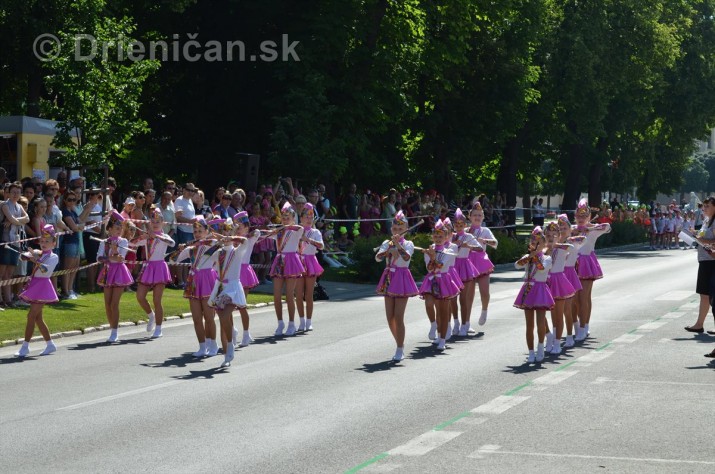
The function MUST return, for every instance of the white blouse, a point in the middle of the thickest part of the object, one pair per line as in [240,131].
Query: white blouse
[591,236]
[201,260]
[160,248]
[467,240]
[397,260]
[312,234]
[248,246]
[447,260]
[50,261]
[121,242]
[559,256]
[532,273]
[292,242]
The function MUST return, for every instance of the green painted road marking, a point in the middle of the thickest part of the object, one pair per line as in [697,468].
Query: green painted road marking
[565,366]
[367,463]
[442,426]
[603,346]
[632,331]
[517,389]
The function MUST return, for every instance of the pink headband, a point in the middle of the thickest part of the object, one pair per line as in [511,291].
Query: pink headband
[400,217]
[583,210]
[458,216]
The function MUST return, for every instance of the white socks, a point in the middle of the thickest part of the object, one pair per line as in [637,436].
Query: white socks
[556,349]
[585,331]
[246,340]
[24,350]
[569,341]
[531,358]
[212,347]
[483,317]
[442,344]
[202,350]
[456,328]
[229,356]
[151,322]
[234,341]
[449,331]
[301,327]
[113,336]
[279,329]
[432,331]
[309,324]
[399,354]
[291,329]
[540,352]
[464,329]
[157,332]
[51,347]
[549,341]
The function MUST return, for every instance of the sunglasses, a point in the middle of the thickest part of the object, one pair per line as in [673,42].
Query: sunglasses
[227,198]
[71,200]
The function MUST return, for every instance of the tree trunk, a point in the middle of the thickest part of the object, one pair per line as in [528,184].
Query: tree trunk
[572,187]
[594,184]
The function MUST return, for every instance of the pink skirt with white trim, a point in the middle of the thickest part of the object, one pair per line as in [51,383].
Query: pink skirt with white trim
[202,284]
[465,269]
[481,262]
[441,286]
[287,265]
[397,282]
[588,267]
[115,275]
[561,288]
[570,273]
[534,295]
[312,267]
[248,277]
[155,272]
[39,290]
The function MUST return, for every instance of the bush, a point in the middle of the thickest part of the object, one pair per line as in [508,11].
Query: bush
[623,233]
[509,249]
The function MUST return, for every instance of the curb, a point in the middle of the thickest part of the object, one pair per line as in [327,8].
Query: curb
[104,327]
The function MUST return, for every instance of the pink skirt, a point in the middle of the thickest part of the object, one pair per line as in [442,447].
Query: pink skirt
[534,295]
[570,273]
[312,267]
[465,269]
[455,278]
[115,275]
[200,284]
[481,262]
[440,286]
[588,267]
[154,272]
[397,282]
[248,277]
[561,288]
[39,290]
[287,265]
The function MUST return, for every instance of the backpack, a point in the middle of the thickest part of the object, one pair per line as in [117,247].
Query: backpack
[319,292]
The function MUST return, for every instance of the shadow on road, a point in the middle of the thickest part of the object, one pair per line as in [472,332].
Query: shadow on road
[15,360]
[276,339]
[424,352]
[201,374]
[709,365]
[706,338]
[380,366]
[95,345]
[180,361]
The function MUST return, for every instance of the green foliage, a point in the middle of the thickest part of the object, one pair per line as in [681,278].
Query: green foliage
[509,250]
[623,233]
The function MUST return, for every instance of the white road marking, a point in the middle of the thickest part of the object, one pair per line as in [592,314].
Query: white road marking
[499,405]
[601,380]
[425,443]
[595,356]
[470,420]
[481,452]
[652,325]
[120,395]
[553,378]
[486,449]
[614,295]
[673,315]
[675,295]
[627,338]
[691,305]
[666,339]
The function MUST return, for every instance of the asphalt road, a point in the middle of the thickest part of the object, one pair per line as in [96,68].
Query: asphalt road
[638,396]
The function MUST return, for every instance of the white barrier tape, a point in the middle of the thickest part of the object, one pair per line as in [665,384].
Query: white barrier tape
[30,239]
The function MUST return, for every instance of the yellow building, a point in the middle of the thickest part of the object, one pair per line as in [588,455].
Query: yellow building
[26,146]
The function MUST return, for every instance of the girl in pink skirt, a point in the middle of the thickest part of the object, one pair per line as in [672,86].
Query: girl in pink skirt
[287,267]
[262,248]
[570,274]
[227,294]
[535,296]
[561,288]
[439,287]
[479,257]
[453,308]
[154,273]
[249,279]
[310,243]
[396,283]
[200,280]
[40,290]
[466,271]
[114,276]
[587,267]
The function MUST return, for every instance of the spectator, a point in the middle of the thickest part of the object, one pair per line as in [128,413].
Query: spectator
[238,199]
[185,212]
[62,182]
[539,213]
[150,200]
[300,202]
[324,201]
[367,227]
[200,206]
[221,209]
[167,211]
[148,184]
[28,191]
[388,212]
[350,204]
[70,243]
[15,219]
[218,195]
[91,246]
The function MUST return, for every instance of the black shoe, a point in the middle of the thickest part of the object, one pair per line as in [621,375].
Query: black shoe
[711,355]
[712,333]
[692,329]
